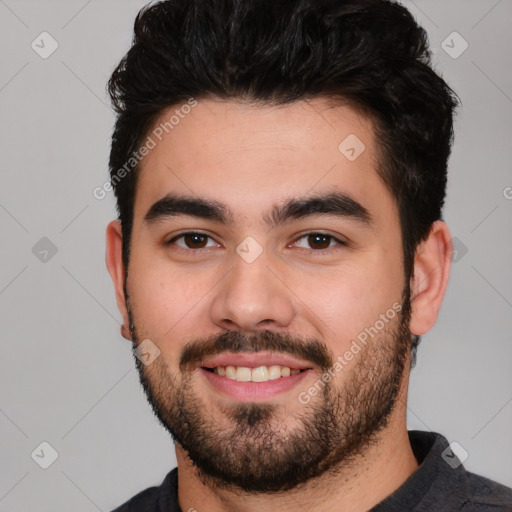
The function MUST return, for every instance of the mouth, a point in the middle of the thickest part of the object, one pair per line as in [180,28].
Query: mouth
[258,374]
[253,377]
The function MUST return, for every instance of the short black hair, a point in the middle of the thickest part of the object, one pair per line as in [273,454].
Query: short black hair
[370,54]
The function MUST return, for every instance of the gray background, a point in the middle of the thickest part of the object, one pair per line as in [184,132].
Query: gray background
[66,375]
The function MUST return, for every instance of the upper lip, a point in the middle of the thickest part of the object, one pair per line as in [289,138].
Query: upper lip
[253,360]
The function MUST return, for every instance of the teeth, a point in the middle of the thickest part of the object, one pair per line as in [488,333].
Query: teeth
[243,374]
[259,374]
[231,372]
[274,372]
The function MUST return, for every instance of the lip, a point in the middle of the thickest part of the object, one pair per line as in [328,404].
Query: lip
[252,391]
[255,359]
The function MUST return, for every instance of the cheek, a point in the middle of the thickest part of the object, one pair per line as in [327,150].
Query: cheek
[162,297]
[348,302]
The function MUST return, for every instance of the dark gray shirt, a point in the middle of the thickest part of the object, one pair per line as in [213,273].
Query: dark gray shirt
[440,484]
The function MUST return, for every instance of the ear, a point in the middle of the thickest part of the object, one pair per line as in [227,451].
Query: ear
[115,266]
[431,272]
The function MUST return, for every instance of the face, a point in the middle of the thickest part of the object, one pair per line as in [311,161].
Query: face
[266,267]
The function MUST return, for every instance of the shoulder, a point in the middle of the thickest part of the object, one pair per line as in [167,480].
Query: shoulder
[486,495]
[155,499]
[441,483]
[145,501]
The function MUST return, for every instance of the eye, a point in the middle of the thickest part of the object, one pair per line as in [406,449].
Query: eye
[319,241]
[192,240]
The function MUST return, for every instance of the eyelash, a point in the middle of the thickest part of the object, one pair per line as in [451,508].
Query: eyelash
[321,251]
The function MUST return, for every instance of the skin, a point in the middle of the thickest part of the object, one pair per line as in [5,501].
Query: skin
[252,158]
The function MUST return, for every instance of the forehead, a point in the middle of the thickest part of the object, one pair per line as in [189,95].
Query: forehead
[253,156]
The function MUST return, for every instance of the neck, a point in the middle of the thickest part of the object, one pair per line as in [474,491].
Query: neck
[376,474]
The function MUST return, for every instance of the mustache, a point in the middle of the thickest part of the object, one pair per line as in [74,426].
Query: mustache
[306,348]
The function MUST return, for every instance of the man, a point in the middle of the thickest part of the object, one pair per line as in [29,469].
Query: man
[280,172]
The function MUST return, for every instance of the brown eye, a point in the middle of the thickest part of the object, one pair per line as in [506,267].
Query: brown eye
[318,241]
[191,240]
[195,241]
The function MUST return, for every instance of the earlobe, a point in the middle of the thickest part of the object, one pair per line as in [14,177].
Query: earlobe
[125,332]
[115,266]
[431,272]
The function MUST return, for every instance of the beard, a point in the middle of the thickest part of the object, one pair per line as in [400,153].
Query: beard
[250,448]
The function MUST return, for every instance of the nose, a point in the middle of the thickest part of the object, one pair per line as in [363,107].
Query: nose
[252,297]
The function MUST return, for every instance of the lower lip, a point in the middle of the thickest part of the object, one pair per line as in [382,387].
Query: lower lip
[253,391]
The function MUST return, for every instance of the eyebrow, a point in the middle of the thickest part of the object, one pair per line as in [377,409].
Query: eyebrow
[338,204]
